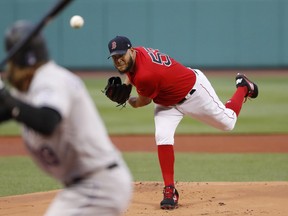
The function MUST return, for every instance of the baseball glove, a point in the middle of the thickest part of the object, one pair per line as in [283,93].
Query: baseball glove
[116,91]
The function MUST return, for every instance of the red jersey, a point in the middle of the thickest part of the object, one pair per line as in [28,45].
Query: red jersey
[159,77]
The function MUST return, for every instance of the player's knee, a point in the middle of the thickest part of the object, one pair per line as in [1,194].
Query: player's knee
[164,139]
[228,127]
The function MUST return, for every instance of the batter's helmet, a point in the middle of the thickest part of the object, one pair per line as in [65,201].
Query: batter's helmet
[34,52]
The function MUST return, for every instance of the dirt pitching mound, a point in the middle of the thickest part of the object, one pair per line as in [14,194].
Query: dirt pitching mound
[228,199]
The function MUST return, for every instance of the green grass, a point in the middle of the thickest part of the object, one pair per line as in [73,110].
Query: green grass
[192,167]
[266,114]
[19,175]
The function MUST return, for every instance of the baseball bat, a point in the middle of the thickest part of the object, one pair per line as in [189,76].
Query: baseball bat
[52,13]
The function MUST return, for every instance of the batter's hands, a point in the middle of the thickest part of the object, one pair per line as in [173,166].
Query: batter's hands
[1,84]
[6,99]
[4,94]
[5,111]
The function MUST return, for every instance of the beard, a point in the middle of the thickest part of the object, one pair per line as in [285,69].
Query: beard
[128,68]
[20,78]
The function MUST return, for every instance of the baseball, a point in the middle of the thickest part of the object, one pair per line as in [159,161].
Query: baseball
[76,21]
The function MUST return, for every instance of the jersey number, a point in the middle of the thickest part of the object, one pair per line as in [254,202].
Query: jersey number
[46,156]
[158,57]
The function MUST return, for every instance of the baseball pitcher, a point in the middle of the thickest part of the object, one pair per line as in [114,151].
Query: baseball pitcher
[177,91]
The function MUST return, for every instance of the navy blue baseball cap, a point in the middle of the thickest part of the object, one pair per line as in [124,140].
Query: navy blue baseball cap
[119,45]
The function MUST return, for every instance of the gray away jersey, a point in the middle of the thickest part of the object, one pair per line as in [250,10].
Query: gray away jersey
[80,144]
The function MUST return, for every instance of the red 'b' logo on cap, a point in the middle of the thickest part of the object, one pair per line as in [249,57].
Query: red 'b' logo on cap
[113,45]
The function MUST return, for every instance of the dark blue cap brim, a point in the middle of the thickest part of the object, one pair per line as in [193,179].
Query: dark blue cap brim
[117,52]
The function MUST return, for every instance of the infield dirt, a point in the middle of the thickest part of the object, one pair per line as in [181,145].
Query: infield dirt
[196,199]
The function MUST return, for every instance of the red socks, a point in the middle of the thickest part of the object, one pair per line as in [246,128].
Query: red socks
[235,103]
[166,152]
[166,160]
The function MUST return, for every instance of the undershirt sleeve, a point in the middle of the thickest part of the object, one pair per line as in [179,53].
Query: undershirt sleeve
[4,114]
[41,119]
